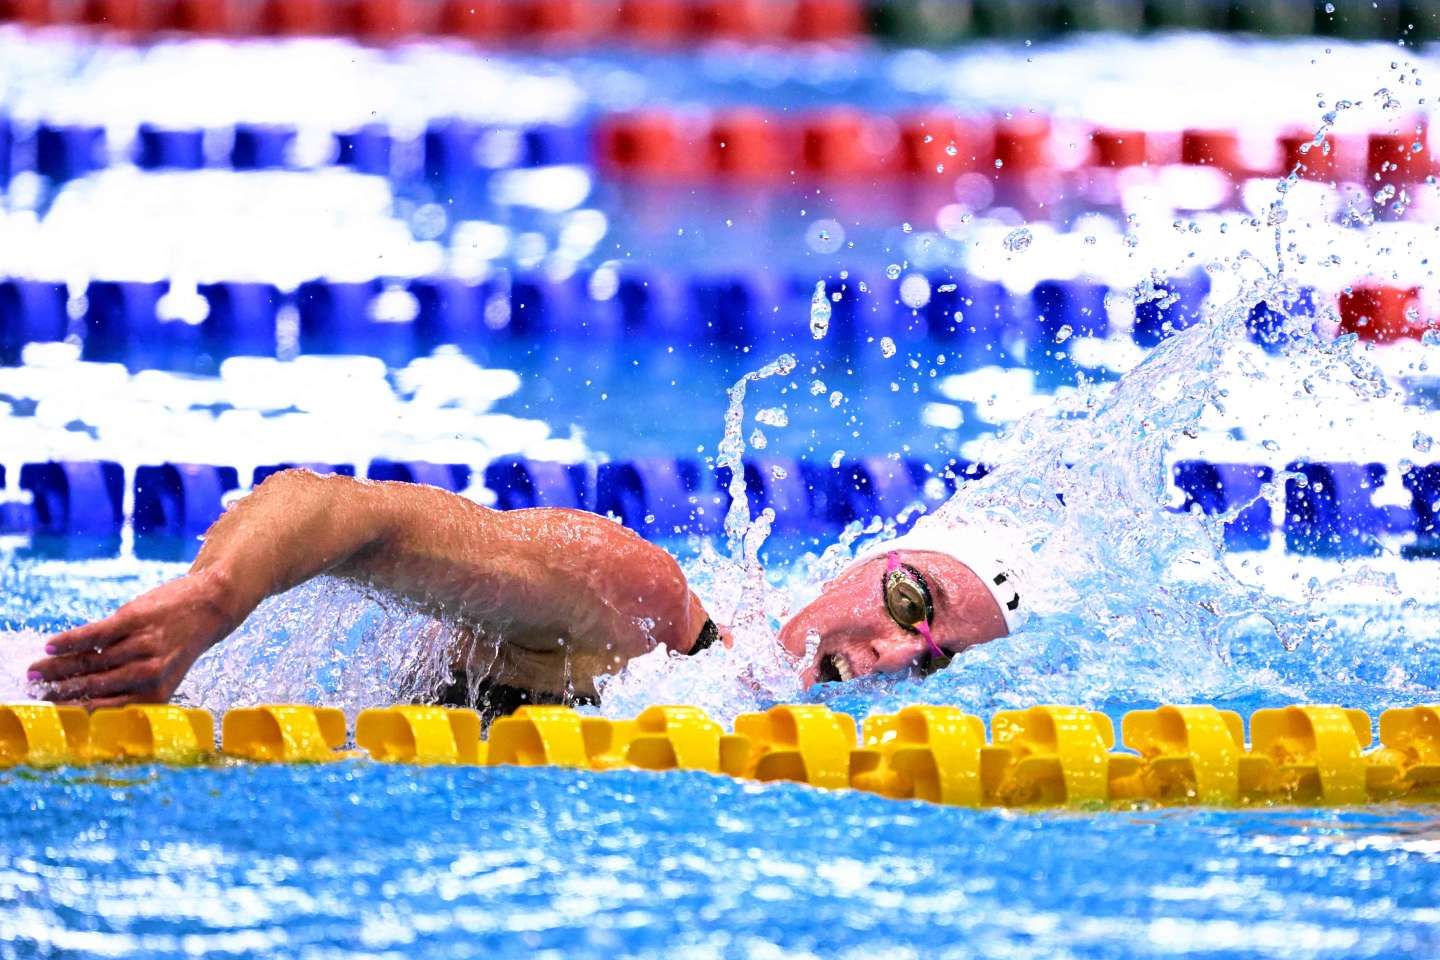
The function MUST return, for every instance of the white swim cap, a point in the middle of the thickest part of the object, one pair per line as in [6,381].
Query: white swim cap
[993,550]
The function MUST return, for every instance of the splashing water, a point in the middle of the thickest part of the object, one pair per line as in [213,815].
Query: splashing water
[1133,603]
[1018,240]
[820,312]
[327,641]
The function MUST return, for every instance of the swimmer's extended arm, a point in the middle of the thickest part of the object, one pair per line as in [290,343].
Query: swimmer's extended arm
[534,574]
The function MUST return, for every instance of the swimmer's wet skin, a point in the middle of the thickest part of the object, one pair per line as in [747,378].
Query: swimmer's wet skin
[547,598]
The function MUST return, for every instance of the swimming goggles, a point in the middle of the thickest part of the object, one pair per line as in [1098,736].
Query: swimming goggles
[908,600]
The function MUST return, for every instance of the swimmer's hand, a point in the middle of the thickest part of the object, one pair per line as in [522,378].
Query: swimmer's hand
[140,653]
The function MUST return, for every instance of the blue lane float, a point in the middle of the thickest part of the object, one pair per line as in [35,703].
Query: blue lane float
[324,469]
[401,318]
[367,149]
[31,311]
[75,498]
[447,476]
[449,310]
[1423,482]
[1217,488]
[262,146]
[518,484]
[240,319]
[1177,303]
[660,496]
[64,152]
[452,150]
[158,148]
[180,499]
[122,323]
[1329,509]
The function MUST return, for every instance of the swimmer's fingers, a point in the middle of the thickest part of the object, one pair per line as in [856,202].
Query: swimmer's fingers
[92,636]
[89,660]
[137,681]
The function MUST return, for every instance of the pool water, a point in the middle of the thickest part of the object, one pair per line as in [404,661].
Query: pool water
[363,860]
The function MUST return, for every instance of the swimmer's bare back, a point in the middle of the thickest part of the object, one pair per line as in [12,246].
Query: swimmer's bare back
[572,594]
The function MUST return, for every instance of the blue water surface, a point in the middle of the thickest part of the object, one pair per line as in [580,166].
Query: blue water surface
[363,860]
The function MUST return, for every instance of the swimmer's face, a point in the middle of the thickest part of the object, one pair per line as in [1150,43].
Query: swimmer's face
[860,633]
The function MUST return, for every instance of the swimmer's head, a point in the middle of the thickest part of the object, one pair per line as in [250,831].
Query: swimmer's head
[895,610]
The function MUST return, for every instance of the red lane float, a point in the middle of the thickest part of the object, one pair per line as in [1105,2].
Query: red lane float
[647,22]
[1384,314]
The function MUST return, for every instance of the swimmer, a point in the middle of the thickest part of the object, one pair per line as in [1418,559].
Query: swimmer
[556,597]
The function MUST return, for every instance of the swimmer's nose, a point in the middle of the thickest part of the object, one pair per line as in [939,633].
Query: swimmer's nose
[898,653]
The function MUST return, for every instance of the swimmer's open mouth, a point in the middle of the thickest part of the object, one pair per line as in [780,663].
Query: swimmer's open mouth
[835,668]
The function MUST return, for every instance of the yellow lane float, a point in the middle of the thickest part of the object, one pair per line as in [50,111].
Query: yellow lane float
[1048,755]
[418,734]
[806,744]
[158,732]
[43,735]
[284,733]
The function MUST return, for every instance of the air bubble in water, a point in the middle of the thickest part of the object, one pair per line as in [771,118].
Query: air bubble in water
[778,472]
[887,347]
[893,271]
[772,417]
[1422,442]
[836,458]
[1018,240]
[757,440]
[837,398]
[1329,8]
[817,387]
[820,312]
[1064,333]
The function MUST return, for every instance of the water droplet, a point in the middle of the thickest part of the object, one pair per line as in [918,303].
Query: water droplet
[836,458]
[820,312]
[1064,333]
[1018,240]
[757,440]
[887,347]
[905,227]
[999,164]
[772,417]
[893,271]
[778,472]
[1422,442]
[951,151]
[817,387]
[836,398]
